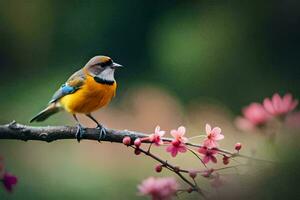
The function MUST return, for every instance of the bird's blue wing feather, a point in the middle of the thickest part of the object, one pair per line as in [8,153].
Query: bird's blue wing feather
[66,89]
[72,85]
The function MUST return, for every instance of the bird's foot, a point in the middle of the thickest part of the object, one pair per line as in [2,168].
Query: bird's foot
[80,132]
[102,132]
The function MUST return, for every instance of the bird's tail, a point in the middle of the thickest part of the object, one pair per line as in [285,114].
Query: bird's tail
[47,112]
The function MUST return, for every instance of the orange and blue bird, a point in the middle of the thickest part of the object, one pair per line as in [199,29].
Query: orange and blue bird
[86,91]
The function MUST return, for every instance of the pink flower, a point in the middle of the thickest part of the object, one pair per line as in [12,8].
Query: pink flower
[159,188]
[280,105]
[193,174]
[178,134]
[178,143]
[209,154]
[137,142]
[238,146]
[9,181]
[256,114]
[156,137]
[212,136]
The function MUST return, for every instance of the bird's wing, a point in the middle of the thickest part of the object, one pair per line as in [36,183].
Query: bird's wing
[72,85]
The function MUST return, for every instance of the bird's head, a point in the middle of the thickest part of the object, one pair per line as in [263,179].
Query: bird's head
[102,67]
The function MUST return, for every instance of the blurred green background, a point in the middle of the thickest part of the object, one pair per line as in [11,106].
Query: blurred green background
[180,57]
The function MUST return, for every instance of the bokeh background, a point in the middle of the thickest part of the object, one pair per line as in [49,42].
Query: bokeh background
[187,63]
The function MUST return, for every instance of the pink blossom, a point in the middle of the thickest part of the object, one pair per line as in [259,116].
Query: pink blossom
[156,137]
[254,115]
[178,134]
[238,146]
[193,174]
[278,106]
[175,148]
[213,135]
[126,140]
[178,143]
[9,181]
[159,188]
[209,154]
[226,160]
[137,142]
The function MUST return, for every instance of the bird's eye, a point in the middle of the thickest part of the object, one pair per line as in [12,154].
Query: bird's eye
[106,63]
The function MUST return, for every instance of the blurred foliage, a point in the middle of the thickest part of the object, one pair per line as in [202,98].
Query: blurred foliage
[224,52]
[231,51]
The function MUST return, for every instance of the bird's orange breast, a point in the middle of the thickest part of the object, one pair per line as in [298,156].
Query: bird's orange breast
[90,97]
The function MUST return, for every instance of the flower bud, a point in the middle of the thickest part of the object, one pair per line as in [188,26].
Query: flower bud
[207,173]
[158,168]
[225,160]
[127,140]
[137,142]
[238,146]
[137,152]
[192,174]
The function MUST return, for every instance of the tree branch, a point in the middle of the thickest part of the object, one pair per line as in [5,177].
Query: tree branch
[15,131]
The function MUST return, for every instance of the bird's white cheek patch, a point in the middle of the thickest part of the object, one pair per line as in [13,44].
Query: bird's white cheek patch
[107,74]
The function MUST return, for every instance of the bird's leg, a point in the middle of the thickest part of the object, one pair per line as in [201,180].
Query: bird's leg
[100,127]
[80,129]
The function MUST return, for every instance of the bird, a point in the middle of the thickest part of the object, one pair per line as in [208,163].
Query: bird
[87,90]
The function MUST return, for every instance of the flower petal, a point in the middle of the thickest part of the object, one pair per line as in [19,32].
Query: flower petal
[209,143]
[184,139]
[286,102]
[182,149]
[293,105]
[174,152]
[213,159]
[276,100]
[219,137]
[206,159]
[207,129]
[169,148]
[216,130]
[161,133]
[181,131]
[157,129]
[202,150]
[269,106]
[174,133]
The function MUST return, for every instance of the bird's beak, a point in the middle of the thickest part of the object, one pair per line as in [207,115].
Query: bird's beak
[116,65]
